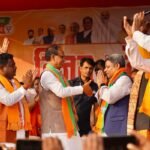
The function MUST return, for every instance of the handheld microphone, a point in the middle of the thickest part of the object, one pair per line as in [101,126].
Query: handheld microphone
[146,13]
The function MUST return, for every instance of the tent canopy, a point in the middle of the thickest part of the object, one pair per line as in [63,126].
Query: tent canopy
[9,5]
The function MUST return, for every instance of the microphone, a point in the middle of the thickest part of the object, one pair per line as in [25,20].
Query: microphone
[146,13]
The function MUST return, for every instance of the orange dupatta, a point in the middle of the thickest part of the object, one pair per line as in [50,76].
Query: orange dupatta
[145,106]
[68,109]
[99,127]
[13,112]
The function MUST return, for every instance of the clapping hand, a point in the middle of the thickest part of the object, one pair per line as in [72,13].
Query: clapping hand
[101,78]
[27,79]
[4,47]
[138,19]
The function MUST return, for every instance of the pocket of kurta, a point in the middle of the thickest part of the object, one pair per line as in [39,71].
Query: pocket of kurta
[117,118]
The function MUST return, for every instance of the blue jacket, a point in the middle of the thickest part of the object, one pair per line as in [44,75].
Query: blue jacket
[116,117]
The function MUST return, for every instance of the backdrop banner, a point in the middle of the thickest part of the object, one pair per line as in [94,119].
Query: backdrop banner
[83,32]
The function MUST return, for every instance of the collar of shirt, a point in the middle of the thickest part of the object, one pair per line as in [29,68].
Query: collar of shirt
[86,33]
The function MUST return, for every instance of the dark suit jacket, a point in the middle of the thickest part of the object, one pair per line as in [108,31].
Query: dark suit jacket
[81,39]
[116,117]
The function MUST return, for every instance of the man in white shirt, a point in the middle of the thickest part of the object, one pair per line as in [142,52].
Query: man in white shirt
[138,53]
[55,99]
[115,95]
[31,38]
[14,111]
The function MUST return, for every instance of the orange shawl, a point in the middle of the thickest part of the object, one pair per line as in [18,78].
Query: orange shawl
[145,106]
[99,127]
[68,108]
[13,111]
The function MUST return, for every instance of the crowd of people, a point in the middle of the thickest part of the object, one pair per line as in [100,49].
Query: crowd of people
[76,114]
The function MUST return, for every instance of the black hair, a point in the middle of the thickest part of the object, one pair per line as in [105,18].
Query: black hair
[88,60]
[87,18]
[100,63]
[4,57]
[52,50]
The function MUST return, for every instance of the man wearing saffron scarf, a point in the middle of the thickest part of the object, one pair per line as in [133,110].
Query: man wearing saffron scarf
[138,52]
[57,109]
[115,96]
[14,111]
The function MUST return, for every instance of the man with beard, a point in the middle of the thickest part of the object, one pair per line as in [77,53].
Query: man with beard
[14,111]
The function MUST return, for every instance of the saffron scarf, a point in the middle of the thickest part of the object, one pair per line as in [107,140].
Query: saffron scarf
[99,127]
[13,112]
[145,106]
[68,109]
[35,120]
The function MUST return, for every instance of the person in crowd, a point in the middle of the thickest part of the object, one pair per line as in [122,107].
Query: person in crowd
[35,110]
[97,108]
[60,37]
[56,102]
[49,38]
[71,37]
[14,111]
[115,94]
[99,65]
[83,102]
[138,53]
[31,38]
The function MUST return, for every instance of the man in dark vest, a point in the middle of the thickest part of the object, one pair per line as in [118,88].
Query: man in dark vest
[115,95]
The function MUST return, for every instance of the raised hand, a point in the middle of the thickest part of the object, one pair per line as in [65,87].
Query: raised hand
[87,89]
[4,47]
[127,26]
[138,19]
[101,78]
[27,79]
